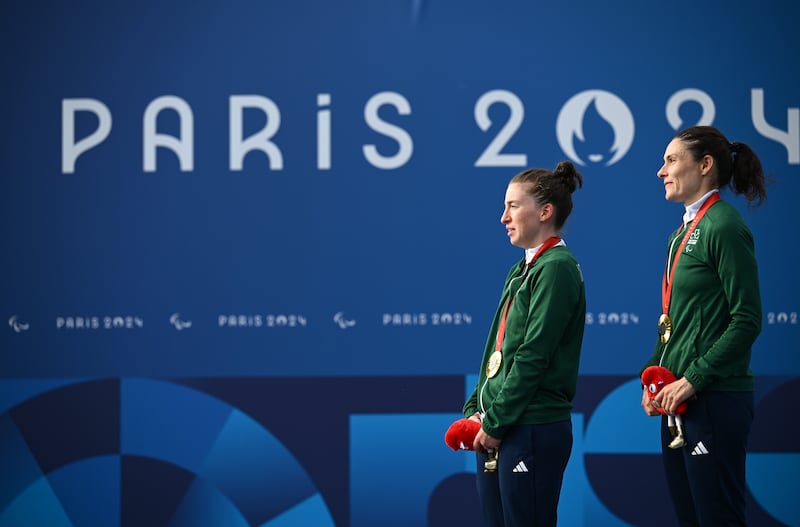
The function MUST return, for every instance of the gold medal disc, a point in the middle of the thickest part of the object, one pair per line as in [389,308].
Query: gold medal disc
[494,363]
[664,327]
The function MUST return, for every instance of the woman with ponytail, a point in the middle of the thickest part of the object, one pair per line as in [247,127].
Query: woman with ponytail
[711,316]
[529,371]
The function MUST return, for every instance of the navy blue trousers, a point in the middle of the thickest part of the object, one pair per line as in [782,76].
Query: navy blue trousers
[706,478]
[524,490]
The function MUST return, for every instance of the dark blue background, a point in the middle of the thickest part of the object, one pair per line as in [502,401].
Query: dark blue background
[372,245]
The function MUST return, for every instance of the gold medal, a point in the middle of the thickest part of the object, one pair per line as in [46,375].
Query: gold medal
[494,363]
[664,322]
[664,327]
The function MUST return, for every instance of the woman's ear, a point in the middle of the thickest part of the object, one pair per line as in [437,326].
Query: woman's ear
[546,212]
[706,164]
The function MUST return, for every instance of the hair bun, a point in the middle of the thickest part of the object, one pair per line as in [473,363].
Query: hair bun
[569,177]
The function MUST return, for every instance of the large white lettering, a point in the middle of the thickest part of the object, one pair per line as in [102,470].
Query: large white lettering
[492,156]
[680,97]
[790,139]
[405,144]
[261,140]
[70,150]
[183,146]
[617,115]
[324,132]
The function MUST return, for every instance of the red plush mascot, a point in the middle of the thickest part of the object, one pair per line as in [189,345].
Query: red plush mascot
[654,378]
[461,434]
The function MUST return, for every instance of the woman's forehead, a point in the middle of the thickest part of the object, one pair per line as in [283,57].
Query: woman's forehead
[518,190]
[675,147]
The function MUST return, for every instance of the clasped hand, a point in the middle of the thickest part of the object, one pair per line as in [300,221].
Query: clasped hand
[669,398]
[483,441]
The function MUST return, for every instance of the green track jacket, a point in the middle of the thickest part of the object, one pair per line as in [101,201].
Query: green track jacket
[541,350]
[716,305]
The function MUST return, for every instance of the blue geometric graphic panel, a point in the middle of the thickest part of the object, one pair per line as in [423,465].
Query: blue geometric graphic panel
[185,459]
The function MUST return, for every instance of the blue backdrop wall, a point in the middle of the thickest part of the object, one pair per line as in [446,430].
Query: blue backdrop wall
[251,250]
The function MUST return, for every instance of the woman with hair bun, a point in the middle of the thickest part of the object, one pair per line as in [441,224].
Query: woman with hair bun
[529,371]
[711,316]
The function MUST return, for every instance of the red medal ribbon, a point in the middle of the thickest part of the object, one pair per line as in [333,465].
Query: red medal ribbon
[666,284]
[501,331]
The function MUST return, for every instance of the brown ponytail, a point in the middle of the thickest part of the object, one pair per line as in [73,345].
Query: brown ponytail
[738,166]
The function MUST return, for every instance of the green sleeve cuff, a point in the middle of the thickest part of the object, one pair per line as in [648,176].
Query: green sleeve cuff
[696,381]
[496,432]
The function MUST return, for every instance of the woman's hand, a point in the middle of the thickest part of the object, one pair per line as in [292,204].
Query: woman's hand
[484,441]
[673,394]
[647,404]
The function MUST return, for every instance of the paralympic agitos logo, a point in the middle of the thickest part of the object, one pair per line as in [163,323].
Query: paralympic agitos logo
[593,127]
